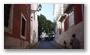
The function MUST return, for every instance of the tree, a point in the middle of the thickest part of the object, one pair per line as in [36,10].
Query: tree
[44,24]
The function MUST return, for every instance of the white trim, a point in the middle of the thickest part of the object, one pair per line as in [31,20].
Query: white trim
[10,26]
[23,37]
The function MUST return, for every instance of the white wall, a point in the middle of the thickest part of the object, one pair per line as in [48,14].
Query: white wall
[58,10]
[34,25]
[34,6]
[57,14]
[31,27]
[78,30]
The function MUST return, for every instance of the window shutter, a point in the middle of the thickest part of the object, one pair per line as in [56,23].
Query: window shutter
[77,13]
[66,24]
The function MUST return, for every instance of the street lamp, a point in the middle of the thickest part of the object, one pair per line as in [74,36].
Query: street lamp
[39,7]
[35,10]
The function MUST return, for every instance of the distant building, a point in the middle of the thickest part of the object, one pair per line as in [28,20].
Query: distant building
[69,20]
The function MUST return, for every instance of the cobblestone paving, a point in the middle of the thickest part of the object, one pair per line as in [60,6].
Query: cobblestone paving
[47,45]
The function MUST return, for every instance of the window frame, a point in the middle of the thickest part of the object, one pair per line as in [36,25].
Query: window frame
[23,17]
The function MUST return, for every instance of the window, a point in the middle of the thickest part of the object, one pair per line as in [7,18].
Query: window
[23,26]
[7,8]
[8,17]
[71,18]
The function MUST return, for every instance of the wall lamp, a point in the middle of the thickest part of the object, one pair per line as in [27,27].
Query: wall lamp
[39,8]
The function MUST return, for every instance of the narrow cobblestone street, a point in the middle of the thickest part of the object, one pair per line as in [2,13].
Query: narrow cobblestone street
[47,45]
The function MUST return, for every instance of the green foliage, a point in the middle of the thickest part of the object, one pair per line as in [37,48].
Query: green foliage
[44,24]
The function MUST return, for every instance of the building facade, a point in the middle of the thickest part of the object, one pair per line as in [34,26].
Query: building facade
[17,26]
[57,12]
[34,25]
[69,22]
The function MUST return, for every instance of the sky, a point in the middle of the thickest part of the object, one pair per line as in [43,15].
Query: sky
[47,11]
